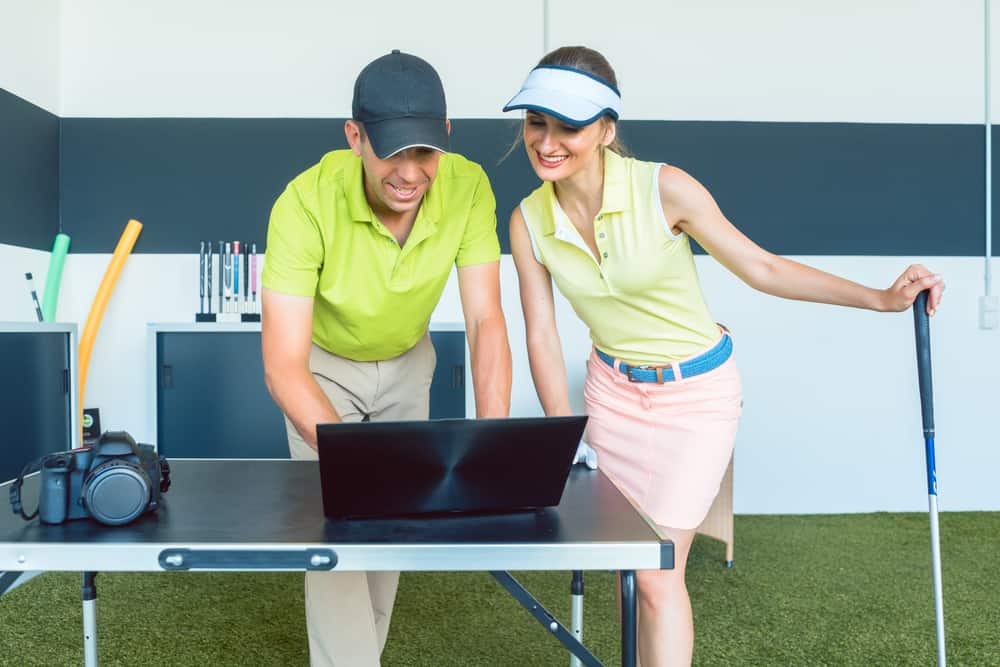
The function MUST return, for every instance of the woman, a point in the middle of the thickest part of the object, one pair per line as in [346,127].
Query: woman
[662,391]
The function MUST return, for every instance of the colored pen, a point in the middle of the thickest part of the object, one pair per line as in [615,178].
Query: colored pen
[201,277]
[208,275]
[228,275]
[236,276]
[253,274]
[34,296]
[246,276]
[221,278]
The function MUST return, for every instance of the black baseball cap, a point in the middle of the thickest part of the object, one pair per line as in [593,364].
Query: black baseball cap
[400,100]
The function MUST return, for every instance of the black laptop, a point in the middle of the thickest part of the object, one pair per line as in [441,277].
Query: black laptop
[389,469]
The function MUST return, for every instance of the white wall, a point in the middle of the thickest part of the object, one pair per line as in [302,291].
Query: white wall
[296,58]
[832,415]
[150,288]
[15,298]
[847,61]
[892,61]
[29,51]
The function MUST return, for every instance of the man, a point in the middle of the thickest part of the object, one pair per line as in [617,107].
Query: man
[359,248]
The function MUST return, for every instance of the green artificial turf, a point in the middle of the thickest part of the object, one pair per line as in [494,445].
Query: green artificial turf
[806,590]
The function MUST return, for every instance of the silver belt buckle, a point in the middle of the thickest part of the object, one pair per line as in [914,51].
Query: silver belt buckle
[636,368]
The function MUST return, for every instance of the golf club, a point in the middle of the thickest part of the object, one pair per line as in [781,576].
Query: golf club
[922,330]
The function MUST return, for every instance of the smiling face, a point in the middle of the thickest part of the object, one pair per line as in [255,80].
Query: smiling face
[396,185]
[558,150]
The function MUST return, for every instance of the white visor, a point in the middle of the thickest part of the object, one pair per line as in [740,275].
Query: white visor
[571,95]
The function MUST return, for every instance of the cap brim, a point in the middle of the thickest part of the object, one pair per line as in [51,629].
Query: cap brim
[572,110]
[388,137]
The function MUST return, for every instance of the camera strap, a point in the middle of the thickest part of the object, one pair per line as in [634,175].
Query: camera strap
[15,489]
[164,475]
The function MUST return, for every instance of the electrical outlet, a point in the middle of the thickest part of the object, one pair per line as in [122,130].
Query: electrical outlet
[989,312]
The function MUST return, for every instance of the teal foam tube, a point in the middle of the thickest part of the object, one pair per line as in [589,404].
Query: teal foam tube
[54,277]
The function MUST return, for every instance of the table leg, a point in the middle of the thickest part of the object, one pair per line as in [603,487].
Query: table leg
[542,615]
[628,618]
[11,580]
[576,618]
[89,619]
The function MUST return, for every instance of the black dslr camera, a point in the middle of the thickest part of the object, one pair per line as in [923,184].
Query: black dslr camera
[114,481]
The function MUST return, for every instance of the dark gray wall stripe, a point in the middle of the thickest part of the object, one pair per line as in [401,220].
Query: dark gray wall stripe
[188,179]
[994,188]
[795,188]
[834,188]
[29,173]
[184,179]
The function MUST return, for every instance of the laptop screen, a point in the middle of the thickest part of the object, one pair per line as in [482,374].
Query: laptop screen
[383,469]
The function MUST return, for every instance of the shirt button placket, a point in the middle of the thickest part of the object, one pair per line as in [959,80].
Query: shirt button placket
[394,254]
[601,235]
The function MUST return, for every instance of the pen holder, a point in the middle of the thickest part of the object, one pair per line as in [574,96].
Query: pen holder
[227,317]
[231,276]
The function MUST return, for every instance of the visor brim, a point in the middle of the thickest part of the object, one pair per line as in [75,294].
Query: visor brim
[573,111]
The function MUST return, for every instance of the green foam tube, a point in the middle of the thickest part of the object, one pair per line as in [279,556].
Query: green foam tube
[54,277]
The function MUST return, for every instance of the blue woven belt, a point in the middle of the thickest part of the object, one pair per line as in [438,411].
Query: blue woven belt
[703,363]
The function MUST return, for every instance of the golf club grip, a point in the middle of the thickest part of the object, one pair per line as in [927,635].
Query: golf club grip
[922,330]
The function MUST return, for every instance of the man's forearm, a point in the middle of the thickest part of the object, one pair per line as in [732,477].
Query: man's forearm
[300,397]
[490,354]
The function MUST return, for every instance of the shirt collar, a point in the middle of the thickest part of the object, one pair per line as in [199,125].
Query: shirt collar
[614,200]
[361,210]
[354,188]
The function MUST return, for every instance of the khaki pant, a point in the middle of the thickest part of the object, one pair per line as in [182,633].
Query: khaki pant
[347,613]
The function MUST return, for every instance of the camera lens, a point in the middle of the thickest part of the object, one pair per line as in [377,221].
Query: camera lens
[116,492]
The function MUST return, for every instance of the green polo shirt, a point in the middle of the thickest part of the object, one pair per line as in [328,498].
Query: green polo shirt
[373,298]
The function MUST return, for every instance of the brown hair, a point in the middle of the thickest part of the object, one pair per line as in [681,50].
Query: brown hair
[586,60]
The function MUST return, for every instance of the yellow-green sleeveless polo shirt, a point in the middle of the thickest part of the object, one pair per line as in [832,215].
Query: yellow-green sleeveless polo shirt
[643,303]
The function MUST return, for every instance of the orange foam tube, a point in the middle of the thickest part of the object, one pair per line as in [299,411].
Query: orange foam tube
[122,250]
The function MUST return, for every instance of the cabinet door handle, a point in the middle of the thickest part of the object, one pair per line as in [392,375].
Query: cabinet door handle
[166,376]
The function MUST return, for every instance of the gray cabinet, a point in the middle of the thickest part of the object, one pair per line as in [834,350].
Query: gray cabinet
[211,401]
[37,390]
[448,384]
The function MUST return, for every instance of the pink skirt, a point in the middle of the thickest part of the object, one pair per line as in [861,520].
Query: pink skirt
[667,446]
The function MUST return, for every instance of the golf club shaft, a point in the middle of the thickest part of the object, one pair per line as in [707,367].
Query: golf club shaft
[922,331]
[938,592]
